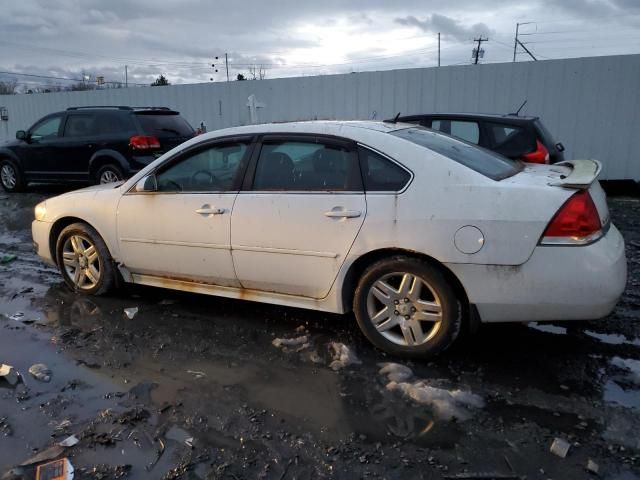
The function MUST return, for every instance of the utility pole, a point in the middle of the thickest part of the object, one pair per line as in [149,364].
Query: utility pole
[515,44]
[126,77]
[438,48]
[226,62]
[477,51]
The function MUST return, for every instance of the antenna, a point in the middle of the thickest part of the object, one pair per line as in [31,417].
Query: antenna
[521,107]
[395,119]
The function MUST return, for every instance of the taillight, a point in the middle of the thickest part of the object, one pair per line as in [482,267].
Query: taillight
[576,223]
[539,155]
[143,142]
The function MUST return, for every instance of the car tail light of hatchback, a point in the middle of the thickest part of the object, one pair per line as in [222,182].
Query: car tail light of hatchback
[576,223]
[144,142]
[539,155]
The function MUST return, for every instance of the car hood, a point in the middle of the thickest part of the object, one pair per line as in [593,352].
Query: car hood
[94,189]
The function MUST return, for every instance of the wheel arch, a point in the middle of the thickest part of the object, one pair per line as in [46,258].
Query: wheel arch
[357,268]
[104,157]
[6,154]
[57,228]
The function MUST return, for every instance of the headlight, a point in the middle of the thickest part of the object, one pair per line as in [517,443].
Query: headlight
[40,211]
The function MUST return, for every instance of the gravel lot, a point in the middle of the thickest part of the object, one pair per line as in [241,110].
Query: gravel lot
[194,387]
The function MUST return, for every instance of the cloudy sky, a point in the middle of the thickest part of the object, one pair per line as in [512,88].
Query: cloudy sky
[181,38]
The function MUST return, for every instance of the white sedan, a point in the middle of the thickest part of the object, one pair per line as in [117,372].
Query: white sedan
[414,231]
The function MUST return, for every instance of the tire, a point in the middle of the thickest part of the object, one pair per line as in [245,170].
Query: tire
[11,177]
[109,173]
[412,322]
[84,270]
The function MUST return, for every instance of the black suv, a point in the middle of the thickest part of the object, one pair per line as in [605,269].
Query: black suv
[90,144]
[522,138]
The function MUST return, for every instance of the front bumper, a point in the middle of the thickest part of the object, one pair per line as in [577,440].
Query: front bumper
[556,283]
[40,231]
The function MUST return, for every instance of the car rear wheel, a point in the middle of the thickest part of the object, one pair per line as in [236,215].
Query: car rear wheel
[109,174]
[11,177]
[84,260]
[406,307]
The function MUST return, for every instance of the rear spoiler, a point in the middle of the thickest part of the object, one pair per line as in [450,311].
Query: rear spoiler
[583,174]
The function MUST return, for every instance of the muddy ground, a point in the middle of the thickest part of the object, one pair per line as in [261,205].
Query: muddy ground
[192,386]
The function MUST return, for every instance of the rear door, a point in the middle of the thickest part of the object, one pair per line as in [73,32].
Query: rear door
[294,224]
[78,144]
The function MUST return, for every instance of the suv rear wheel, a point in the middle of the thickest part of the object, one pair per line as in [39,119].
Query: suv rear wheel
[406,307]
[108,174]
[10,176]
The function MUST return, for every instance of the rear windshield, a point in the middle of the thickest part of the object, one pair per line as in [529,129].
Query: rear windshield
[164,125]
[482,161]
[546,134]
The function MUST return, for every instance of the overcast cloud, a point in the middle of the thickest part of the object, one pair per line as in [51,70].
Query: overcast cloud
[181,38]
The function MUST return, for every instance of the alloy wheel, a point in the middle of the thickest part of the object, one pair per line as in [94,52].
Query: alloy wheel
[8,176]
[109,176]
[404,309]
[81,262]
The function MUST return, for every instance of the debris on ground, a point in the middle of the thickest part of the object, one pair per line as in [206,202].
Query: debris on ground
[56,470]
[5,428]
[40,372]
[16,316]
[290,342]
[560,447]
[179,435]
[167,301]
[7,259]
[104,472]
[62,426]
[342,356]
[592,466]
[15,473]
[446,404]
[197,373]
[69,441]
[131,312]
[395,372]
[50,453]
[5,369]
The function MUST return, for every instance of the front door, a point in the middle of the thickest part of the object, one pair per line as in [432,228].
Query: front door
[292,229]
[182,231]
[42,151]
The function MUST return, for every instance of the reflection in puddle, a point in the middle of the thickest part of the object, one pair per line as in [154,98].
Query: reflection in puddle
[547,328]
[612,338]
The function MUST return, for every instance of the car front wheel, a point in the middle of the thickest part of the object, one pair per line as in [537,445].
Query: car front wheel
[407,307]
[84,260]
[10,176]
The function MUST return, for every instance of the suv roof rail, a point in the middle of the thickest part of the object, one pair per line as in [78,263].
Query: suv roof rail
[150,108]
[118,107]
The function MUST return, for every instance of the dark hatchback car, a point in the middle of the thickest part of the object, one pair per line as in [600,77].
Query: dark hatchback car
[521,138]
[90,145]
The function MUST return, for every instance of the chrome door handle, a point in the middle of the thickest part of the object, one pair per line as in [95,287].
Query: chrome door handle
[342,213]
[208,210]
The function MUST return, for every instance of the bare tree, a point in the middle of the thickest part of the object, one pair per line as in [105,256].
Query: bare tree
[257,72]
[8,88]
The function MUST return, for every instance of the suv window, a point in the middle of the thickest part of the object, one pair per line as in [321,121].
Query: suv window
[47,128]
[109,123]
[468,131]
[381,174]
[300,165]
[213,169]
[80,125]
[482,161]
[163,124]
[509,137]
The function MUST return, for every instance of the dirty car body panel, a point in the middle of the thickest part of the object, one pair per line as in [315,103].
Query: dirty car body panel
[239,233]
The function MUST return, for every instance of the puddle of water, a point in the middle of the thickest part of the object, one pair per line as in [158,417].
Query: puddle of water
[613,338]
[545,327]
[614,393]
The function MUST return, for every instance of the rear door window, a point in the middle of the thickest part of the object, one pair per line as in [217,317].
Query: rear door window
[381,174]
[164,125]
[80,125]
[482,161]
[468,131]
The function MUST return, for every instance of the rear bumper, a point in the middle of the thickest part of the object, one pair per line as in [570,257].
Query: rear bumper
[556,283]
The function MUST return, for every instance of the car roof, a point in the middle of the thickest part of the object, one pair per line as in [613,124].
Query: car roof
[482,116]
[327,127]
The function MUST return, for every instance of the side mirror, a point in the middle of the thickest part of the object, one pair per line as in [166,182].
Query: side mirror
[560,147]
[22,135]
[147,184]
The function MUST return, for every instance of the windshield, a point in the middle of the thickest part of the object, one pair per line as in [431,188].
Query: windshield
[483,161]
[164,125]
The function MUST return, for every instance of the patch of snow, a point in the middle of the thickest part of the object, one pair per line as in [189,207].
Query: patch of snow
[290,342]
[612,338]
[446,404]
[395,372]
[342,356]
[630,365]
[544,327]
